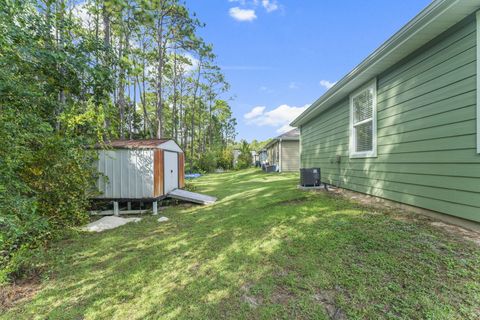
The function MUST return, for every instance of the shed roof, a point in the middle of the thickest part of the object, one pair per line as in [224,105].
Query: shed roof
[435,19]
[135,144]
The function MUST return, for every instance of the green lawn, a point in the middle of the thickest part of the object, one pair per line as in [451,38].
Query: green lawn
[265,250]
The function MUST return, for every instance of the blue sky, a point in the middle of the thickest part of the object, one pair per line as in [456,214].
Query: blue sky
[280,56]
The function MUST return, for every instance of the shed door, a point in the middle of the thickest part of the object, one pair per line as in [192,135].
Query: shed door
[170,171]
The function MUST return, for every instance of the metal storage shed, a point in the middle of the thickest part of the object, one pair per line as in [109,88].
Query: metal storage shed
[145,170]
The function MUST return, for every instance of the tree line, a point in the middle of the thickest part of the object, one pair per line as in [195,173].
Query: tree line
[75,74]
[163,77]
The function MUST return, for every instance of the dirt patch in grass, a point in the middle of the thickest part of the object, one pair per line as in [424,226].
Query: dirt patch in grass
[249,298]
[282,295]
[281,273]
[464,233]
[292,202]
[194,269]
[12,294]
[327,299]
[402,214]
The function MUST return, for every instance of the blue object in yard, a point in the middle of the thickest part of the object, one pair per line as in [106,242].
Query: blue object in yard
[192,175]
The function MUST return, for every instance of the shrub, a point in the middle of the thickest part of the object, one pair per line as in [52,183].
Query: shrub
[62,176]
[225,158]
[19,241]
[45,181]
[245,157]
[207,162]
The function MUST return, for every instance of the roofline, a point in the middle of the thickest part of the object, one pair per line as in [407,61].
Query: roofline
[278,139]
[106,146]
[406,36]
[271,143]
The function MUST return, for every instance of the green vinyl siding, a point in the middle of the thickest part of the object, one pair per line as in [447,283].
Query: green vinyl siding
[426,132]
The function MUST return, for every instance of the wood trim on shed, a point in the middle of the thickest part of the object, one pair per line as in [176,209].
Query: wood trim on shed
[181,170]
[158,173]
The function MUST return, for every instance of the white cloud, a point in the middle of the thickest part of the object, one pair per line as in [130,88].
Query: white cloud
[293,85]
[80,12]
[266,89]
[284,128]
[326,84]
[270,6]
[193,65]
[255,112]
[242,14]
[279,117]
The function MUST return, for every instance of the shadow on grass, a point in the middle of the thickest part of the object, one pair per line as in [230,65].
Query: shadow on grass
[252,256]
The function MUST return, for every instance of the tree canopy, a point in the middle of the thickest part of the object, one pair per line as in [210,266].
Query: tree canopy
[76,74]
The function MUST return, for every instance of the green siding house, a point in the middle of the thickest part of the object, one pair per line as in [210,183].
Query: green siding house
[404,125]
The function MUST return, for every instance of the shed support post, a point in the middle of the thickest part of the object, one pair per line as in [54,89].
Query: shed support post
[154,208]
[129,206]
[115,208]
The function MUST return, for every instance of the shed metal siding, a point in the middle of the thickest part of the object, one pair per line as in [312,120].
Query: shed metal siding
[129,174]
[290,155]
[426,117]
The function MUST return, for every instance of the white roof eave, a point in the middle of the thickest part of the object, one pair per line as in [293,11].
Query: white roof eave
[170,145]
[435,19]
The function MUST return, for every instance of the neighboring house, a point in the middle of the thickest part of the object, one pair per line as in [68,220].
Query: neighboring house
[283,151]
[262,156]
[236,154]
[254,157]
[405,124]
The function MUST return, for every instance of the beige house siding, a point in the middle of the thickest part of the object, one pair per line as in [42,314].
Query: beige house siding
[290,155]
[273,154]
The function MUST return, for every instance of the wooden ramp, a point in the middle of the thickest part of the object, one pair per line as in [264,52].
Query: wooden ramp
[191,196]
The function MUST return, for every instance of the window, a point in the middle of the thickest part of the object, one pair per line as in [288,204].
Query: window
[363,122]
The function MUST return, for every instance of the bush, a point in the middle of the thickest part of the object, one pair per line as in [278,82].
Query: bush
[45,181]
[45,174]
[225,158]
[245,157]
[207,162]
[62,176]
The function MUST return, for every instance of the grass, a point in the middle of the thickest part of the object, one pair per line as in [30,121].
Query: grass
[265,250]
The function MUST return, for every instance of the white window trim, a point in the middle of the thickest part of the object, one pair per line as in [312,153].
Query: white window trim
[364,154]
[478,81]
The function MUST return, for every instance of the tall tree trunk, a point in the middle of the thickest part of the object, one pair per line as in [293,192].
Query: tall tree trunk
[147,131]
[133,109]
[182,116]
[121,90]
[194,103]
[59,30]
[210,129]
[159,106]
[106,62]
[174,110]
